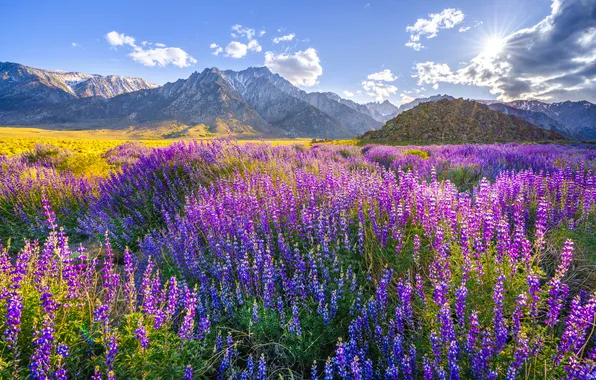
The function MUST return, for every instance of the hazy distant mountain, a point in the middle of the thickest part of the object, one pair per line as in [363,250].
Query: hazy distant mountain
[387,109]
[578,117]
[540,119]
[457,121]
[362,108]
[22,87]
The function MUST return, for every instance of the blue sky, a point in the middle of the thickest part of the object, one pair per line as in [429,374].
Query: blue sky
[337,44]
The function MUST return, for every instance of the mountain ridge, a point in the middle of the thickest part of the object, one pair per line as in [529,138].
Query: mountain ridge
[457,121]
[251,101]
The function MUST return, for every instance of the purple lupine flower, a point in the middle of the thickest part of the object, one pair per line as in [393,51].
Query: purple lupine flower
[186,331]
[313,371]
[329,375]
[255,312]
[356,370]
[188,372]
[262,368]
[43,343]
[498,320]
[294,325]
[141,335]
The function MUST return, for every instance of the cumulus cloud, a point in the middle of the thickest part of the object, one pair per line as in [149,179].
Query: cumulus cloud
[158,56]
[348,94]
[435,86]
[119,39]
[552,60]
[378,90]
[163,57]
[216,49]
[287,37]
[385,75]
[302,68]
[74,44]
[253,45]
[429,27]
[236,49]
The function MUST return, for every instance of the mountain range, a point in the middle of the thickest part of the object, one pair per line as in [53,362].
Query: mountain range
[252,102]
[457,121]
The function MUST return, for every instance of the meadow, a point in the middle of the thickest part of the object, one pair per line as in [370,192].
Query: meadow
[241,260]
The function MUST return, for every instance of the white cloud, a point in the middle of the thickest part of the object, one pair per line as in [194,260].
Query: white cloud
[414,45]
[262,33]
[301,69]
[236,49]
[216,49]
[348,94]
[385,76]
[406,98]
[74,44]
[160,44]
[378,90]
[429,28]
[241,31]
[163,57]
[553,60]
[288,37]
[116,39]
[160,56]
[253,45]
[435,86]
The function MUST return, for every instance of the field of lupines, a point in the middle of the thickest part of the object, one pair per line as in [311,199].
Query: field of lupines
[220,260]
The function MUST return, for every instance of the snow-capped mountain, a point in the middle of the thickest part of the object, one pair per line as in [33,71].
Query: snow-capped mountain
[262,88]
[23,86]
[579,118]
[386,109]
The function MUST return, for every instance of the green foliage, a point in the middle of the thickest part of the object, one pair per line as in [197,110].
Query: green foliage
[417,152]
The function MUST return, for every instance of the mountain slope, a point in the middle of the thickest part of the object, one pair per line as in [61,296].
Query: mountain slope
[578,117]
[354,122]
[362,108]
[386,109]
[24,87]
[203,98]
[539,119]
[415,102]
[457,121]
[265,93]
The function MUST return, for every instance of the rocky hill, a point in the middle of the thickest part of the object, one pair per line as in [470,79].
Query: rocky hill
[457,121]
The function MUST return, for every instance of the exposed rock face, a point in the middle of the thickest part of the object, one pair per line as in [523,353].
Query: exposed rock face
[253,101]
[455,122]
[539,119]
[579,118]
[23,87]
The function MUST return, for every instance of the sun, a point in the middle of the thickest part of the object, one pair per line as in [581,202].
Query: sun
[493,46]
